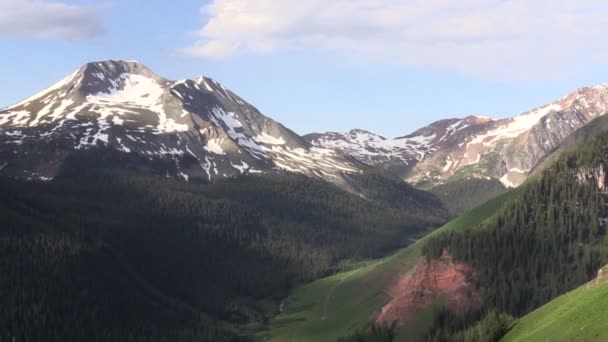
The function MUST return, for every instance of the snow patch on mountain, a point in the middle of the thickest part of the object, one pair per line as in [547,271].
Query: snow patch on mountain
[515,127]
[201,80]
[268,139]
[243,167]
[15,118]
[374,149]
[124,105]
[130,90]
[214,146]
[504,149]
[228,119]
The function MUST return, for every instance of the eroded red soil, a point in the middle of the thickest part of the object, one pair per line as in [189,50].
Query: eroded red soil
[432,279]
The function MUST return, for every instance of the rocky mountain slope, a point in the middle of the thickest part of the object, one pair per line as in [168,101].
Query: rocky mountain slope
[208,131]
[475,147]
[398,154]
[211,133]
[432,279]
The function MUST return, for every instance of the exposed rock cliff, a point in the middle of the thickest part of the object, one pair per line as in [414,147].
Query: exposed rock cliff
[432,280]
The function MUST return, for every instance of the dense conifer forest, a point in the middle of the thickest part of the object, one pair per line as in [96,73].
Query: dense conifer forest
[459,196]
[111,250]
[372,333]
[548,240]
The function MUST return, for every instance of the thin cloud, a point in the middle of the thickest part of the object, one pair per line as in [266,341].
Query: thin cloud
[47,19]
[498,39]
[215,49]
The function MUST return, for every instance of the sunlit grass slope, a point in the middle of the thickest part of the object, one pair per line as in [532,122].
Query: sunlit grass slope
[579,315]
[338,305]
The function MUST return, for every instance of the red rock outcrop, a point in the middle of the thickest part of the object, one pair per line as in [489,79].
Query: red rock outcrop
[432,279]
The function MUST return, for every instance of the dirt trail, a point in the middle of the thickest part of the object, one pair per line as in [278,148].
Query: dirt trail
[328,296]
[325,304]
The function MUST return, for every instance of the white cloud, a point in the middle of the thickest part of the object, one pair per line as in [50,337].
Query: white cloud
[211,48]
[47,19]
[499,39]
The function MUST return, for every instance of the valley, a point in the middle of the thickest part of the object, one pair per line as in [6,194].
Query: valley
[560,319]
[357,295]
[176,210]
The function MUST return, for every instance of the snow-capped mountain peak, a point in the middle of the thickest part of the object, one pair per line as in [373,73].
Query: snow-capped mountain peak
[476,146]
[123,104]
[126,106]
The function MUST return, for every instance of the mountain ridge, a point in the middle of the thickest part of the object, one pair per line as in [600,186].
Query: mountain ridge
[475,146]
[212,133]
[208,130]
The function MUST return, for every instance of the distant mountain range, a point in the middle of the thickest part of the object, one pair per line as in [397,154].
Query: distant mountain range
[211,133]
[476,147]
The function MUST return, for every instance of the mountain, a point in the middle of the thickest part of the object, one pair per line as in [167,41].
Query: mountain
[102,240]
[211,133]
[548,239]
[583,135]
[207,130]
[474,147]
[516,252]
[399,154]
[373,149]
[106,252]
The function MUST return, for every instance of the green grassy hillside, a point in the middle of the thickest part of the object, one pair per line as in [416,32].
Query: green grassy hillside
[337,306]
[579,315]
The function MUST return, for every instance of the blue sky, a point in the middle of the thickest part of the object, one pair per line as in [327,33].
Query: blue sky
[387,66]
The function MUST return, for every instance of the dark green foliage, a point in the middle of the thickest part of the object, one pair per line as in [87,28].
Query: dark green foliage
[546,241]
[372,333]
[108,251]
[392,191]
[451,327]
[64,280]
[460,196]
